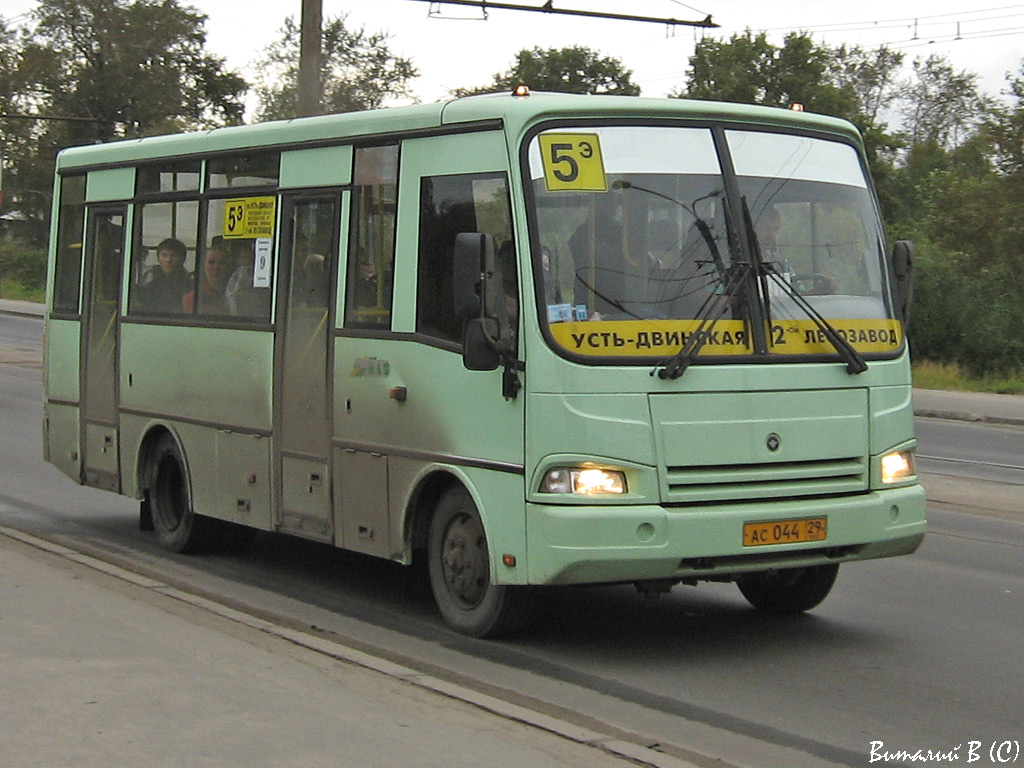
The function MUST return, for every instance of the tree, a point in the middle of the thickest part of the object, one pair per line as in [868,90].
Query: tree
[873,75]
[749,69]
[11,81]
[847,83]
[359,71]
[576,69]
[118,69]
[134,66]
[16,133]
[941,105]
[1005,129]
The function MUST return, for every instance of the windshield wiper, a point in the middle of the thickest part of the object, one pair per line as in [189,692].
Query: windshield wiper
[767,270]
[715,306]
[854,361]
[711,312]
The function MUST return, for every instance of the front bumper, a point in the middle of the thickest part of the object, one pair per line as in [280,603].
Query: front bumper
[606,544]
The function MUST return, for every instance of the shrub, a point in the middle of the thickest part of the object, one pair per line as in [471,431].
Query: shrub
[966,316]
[23,263]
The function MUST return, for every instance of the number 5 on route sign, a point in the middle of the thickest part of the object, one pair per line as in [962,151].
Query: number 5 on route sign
[572,161]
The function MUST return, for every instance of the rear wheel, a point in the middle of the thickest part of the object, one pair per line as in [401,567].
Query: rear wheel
[178,528]
[791,590]
[460,572]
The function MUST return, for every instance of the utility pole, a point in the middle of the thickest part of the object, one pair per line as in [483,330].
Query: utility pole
[310,53]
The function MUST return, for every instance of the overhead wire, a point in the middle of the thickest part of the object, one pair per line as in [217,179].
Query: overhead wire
[921,30]
[903,21]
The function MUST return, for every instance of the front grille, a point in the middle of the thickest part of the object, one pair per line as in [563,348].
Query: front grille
[748,482]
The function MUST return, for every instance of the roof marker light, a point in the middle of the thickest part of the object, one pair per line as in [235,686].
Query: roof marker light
[521,90]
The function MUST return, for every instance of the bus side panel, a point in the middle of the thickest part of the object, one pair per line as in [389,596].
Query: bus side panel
[61,438]
[449,417]
[243,487]
[317,167]
[212,387]
[63,349]
[230,471]
[892,416]
[221,377]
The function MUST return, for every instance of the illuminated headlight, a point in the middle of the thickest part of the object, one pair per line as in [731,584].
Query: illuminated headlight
[583,481]
[897,466]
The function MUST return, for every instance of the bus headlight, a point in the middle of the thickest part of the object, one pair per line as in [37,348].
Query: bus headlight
[583,481]
[897,466]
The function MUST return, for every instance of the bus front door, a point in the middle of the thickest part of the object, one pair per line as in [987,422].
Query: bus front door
[303,412]
[104,255]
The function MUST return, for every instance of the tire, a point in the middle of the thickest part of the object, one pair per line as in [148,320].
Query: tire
[792,590]
[178,528]
[460,574]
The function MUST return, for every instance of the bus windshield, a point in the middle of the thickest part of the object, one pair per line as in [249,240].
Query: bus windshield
[648,234]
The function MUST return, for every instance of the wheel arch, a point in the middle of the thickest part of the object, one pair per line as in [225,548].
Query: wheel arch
[145,469]
[422,503]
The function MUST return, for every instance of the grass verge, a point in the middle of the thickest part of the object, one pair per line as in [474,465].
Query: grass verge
[929,375]
[11,288]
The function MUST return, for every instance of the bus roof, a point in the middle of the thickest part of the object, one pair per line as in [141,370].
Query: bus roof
[515,113]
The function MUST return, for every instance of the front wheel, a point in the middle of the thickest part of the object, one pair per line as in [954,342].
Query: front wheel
[460,572]
[791,590]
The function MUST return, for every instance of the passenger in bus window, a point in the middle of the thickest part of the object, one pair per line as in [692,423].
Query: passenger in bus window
[243,298]
[164,284]
[767,228]
[597,253]
[365,283]
[309,281]
[217,268]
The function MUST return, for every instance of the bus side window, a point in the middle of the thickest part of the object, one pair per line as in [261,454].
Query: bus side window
[70,232]
[163,258]
[229,282]
[450,205]
[372,243]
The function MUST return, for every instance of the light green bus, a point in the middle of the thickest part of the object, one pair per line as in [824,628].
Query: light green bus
[533,339]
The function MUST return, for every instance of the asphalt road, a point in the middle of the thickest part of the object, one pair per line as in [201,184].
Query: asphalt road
[921,652]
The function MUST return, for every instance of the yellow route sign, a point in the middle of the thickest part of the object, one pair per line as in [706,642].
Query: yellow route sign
[249,217]
[572,161]
[664,338]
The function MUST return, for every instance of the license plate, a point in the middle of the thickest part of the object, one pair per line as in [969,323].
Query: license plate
[785,531]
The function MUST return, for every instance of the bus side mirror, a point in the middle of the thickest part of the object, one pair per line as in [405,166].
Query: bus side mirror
[903,272]
[479,350]
[473,269]
[477,299]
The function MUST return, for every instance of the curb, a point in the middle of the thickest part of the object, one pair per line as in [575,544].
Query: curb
[932,413]
[29,310]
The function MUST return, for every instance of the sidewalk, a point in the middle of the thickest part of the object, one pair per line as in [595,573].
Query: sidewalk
[934,403]
[970,406]
[102,667]
[15,307]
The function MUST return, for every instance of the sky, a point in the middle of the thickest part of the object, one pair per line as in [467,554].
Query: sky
[452,46]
